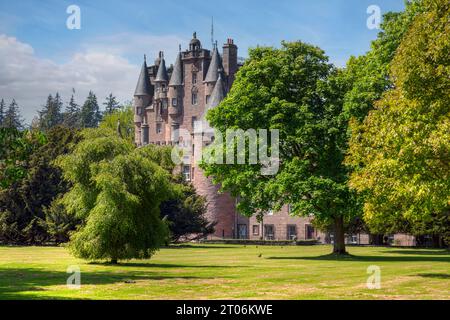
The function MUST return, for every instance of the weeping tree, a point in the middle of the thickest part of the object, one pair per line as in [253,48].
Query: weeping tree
[116,193]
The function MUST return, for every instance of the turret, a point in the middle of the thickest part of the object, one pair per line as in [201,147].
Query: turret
[142,99]
[215,67]
[175,94]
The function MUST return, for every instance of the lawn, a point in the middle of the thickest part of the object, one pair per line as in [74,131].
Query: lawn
[229,272]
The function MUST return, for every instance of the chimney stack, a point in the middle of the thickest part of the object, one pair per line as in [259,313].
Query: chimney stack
[230,60]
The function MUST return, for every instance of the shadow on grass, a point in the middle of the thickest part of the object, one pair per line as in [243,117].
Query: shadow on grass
[27,283]
[159,265]
[420,252]
[198,246]
[349,257]
[435,275]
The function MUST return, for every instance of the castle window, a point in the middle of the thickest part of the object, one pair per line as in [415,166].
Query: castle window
[158,128]
[194,119]
[174,102]
[269,232]
[164,103]
[187,173]
[255,230]
[291,231]
[309,232]
[194,99]
[207,99]
[194,78]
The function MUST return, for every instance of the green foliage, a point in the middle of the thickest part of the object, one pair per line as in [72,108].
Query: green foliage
[51,116]
[293,89]
[120,119]
[368,75]
[23,203]
[401,152]
[90,112]
[186,216]
[116,192]
[2,112]
[16,148]
[111,104]
[12,118]
[72,114]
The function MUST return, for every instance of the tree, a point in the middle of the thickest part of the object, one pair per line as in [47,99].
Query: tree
[50,116]
[16,147]
[72,114]
[295,90]
[2,112]
[368,75]
[13,118]
[90,113]
[116,193]
[24,203]
[186,216]
[120,120]
[111,104]
[401,151]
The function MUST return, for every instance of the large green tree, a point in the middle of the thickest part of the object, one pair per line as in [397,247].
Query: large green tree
[23,203]
[401,151]
[295,90]
[117,191]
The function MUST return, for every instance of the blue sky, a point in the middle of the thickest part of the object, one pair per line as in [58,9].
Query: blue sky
[116,34]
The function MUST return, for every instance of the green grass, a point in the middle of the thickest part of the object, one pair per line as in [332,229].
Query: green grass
[229,272]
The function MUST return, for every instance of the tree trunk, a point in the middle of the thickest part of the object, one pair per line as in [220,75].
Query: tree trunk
[339,236]
[113,261]
[376,239]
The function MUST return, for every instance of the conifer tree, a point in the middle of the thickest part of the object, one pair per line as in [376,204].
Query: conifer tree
[50,115]
[90,113]
[2,112]
[111,104]
[72,114]
[12,118]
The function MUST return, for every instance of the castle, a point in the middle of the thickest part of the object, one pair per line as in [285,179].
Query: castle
[171,99]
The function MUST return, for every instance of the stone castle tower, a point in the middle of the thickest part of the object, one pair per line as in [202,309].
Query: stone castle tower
[171,100]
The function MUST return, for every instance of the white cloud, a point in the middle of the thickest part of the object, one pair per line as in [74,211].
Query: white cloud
[30,79]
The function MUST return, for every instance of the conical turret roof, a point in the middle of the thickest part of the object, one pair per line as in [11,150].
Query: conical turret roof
[177,75]
[215,66]
[144,87]
[162,75]
[218,93]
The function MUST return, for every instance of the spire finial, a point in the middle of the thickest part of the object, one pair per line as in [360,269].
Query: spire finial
[145,57]
[179,47]
[212,30]
[194,35]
